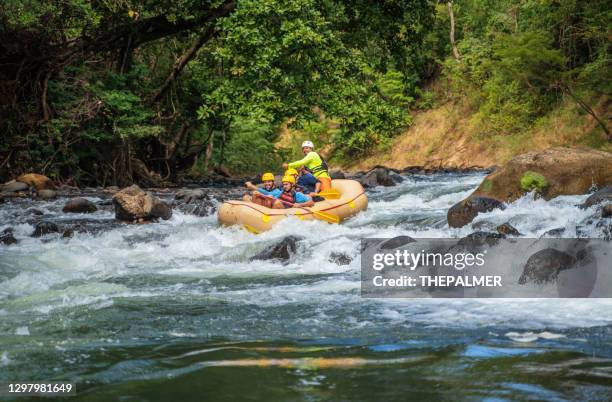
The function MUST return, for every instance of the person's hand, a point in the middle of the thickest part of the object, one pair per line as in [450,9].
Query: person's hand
[285,166]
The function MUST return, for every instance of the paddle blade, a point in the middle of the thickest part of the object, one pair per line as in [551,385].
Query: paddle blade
[329,195]
[326,216]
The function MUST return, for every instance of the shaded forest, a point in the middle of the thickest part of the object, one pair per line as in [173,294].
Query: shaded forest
[108,92]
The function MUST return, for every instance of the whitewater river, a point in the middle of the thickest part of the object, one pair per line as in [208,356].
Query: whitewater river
[177,311]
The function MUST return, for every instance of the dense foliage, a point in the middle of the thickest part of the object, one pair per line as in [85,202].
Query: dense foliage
[115,91]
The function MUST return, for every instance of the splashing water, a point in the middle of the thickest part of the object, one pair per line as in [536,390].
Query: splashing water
[178,309]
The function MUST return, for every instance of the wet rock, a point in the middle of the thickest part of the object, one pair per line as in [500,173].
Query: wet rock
[544,266]
[377,177]
[606,211]
[396,242]
[465,211]
[337,174]
[396,177]
[47,194]
[189,195]
[44,227]
[14,186]
[79,205]
[6,237]
[340,258]
[194,202]
[36,212]
[484,226]
[556,232]
[281,251]
[552,172]
[134,204]
[508,230]
[111,189]
[598,197]
[160,209]
[38,181]
[481,239]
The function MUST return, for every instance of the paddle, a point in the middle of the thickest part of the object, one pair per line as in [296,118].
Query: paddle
[329,195]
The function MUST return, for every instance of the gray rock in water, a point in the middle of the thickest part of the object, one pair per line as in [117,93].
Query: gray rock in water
[189,195]
[79,205]
[508,229]
[606,211]
[396,242]
[481,239]
[377,177]
[340,258]
[556,232]
[545,265]
[336,174]
[465,211]
[160,209]
[44,227]
[35,211]
[281,251]
[602,195]
[14,186]
[7,238]
[46,194]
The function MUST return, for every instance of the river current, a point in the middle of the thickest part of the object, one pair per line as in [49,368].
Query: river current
[178,311]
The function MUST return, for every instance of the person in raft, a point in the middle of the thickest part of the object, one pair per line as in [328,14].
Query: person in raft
[289,198]
[265,194]
[306,183]
[315,165]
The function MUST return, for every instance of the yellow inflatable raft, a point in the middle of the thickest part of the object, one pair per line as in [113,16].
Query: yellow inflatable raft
[256,218]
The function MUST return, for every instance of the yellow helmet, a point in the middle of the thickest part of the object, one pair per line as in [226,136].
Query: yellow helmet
[291,172]
[267,176]
[288,179]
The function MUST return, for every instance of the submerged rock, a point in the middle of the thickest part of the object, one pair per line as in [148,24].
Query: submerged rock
[340,258]
[545,265]
[79,205]
[44,228]
[6,237]
[280,251]
[481,239]
[465,211]
[396,242]
[508,229]
[38,181]
[134,204]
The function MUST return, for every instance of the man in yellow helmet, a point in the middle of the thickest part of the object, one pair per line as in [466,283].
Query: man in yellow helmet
[289,198]
[264,194]
[314,163]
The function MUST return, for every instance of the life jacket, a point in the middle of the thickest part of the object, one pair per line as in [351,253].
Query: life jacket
[287,197]
[319,168]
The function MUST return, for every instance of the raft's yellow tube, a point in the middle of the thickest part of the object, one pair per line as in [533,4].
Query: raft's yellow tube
[256,218]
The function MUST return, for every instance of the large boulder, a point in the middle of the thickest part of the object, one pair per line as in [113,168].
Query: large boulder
[378,176]
[38,181]
[606,212]
[134,204]
[551,173]
[598,197]
[79,205]
[465,211]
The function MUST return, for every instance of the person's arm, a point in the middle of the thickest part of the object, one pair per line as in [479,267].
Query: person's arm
[250,186]
[273,193]
[302,162]
[303,200]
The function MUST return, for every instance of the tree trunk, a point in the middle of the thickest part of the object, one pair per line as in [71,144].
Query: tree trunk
[180,64]
[452,31]
[565,88]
